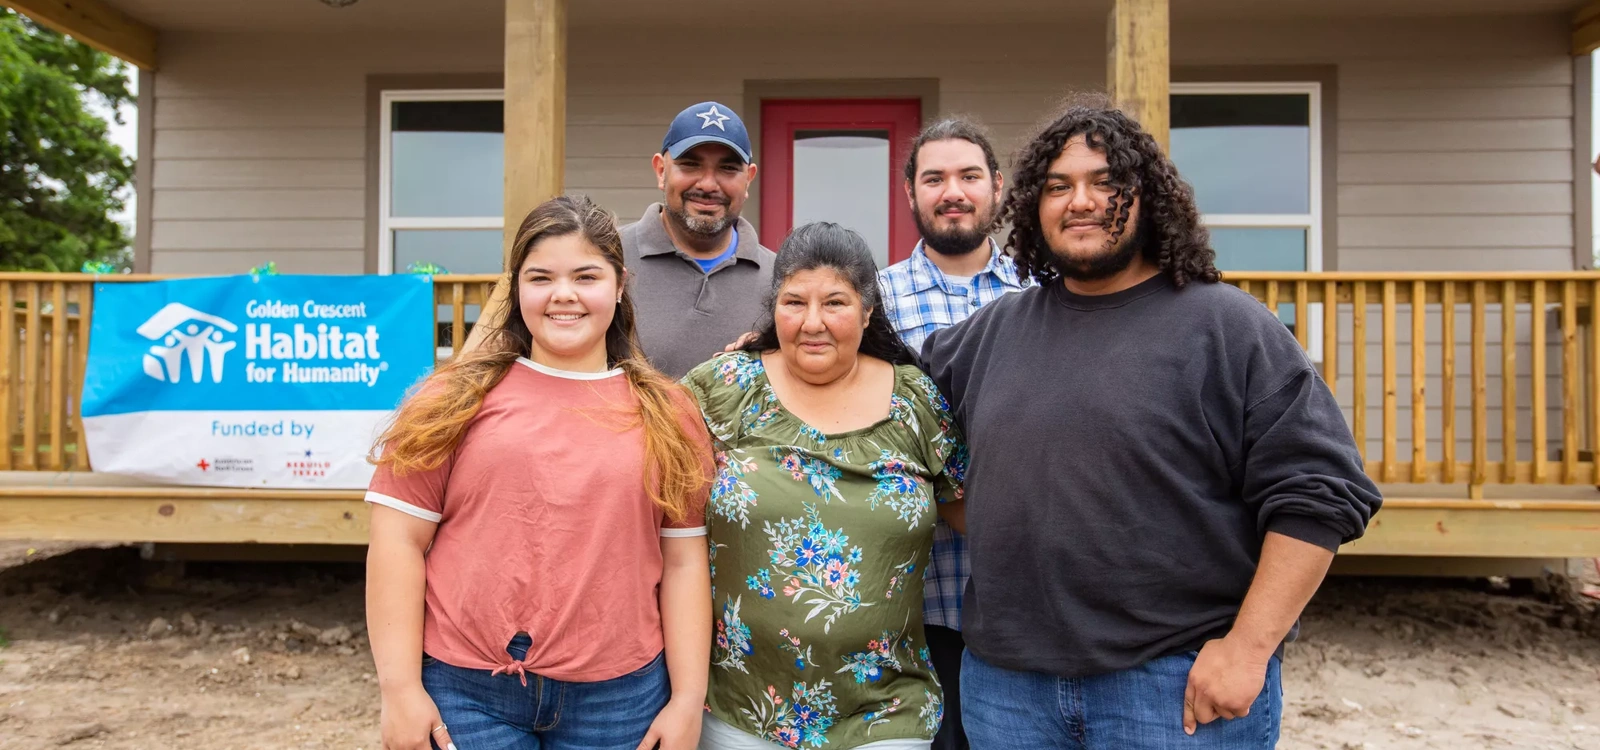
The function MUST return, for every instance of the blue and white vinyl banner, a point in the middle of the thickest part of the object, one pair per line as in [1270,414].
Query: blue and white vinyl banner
[241,381]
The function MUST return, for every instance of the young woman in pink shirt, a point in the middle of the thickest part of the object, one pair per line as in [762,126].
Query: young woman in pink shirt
[538,575]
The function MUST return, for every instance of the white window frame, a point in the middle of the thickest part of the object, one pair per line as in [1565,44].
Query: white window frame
[387,222]
[1312,220]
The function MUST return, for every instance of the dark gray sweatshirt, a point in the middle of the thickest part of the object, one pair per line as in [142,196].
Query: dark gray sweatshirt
[1128,454]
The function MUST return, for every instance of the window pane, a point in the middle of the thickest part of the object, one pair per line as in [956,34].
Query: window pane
[1259,248]
[458,250]
[1244,153]
[843,177]
[447,159]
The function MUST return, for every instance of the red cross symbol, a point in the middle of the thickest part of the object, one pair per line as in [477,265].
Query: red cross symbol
[203,465]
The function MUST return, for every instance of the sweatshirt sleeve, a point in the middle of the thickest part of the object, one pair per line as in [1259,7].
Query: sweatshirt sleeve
[1301,468]
[947,356]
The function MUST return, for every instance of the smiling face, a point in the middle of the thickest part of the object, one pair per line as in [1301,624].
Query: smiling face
[1075,214]
[953,197]
[705,187]
[568,292]
[819,319]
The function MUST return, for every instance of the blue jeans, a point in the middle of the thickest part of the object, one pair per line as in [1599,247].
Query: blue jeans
[498,712]
[1135,709]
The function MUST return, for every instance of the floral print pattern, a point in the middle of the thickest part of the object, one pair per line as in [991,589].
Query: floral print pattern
[900,486]
[868,665]
[791,644]
[731,497]
[819,545]
[732,643]
[820,475]
[801,721]
[820,568]
[897,582]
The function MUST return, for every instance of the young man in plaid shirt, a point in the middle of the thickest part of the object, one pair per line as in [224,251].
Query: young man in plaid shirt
[953,184]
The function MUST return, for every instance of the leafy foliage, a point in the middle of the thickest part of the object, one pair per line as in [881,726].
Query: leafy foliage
[61,178]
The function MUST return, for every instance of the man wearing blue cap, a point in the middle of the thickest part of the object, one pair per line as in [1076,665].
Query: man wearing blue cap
[699,272]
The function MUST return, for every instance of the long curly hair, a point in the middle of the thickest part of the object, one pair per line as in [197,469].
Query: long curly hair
[824,244]
[1169,223]
[429,426]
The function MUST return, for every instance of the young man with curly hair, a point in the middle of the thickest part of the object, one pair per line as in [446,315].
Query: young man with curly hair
[1159,478]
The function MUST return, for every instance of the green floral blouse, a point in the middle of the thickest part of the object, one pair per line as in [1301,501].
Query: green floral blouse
[818,544]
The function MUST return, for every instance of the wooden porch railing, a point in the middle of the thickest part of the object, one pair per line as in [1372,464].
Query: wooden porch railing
[1370,334]
[1544,319]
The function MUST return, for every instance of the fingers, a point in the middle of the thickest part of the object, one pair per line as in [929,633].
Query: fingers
[650,738]
[1188,709]
[441,737]
[1205,711]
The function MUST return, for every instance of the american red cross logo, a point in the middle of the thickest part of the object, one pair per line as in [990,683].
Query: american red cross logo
[203,465]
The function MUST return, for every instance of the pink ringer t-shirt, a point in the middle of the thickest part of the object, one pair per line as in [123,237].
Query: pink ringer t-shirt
[545,528]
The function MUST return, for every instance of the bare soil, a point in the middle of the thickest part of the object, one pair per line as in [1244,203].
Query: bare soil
[99,649]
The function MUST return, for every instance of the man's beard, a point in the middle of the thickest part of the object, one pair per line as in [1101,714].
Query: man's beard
[956,240]
[1106,263]
[705,226]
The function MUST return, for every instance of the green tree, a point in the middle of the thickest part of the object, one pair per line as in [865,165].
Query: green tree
[61,178]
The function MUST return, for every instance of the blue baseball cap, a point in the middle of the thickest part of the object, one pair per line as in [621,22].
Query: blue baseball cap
[706,122]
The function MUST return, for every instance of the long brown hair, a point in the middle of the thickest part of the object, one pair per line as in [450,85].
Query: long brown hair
[430,424]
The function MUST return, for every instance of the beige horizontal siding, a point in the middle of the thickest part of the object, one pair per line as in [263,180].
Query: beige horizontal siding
[630,201]
[271,112]
[217,262]
[1379,40]
[1394,136]
[586,108]
[282,234]
[1448,258]
[1450,200]
[229,174]
[1487,167]
[585,172]
[1506,232]
[1496,71]
[258,143]
[1493,103]
[259,204]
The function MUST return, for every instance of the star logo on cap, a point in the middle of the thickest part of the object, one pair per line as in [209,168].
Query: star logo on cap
[711,117]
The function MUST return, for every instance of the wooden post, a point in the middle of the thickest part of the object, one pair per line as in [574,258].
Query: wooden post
[535,106]
[1138,64]
[535,123]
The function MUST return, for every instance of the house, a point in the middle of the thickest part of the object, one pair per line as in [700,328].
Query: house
[1378,156]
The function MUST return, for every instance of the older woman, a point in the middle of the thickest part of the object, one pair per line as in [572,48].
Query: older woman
[832,450]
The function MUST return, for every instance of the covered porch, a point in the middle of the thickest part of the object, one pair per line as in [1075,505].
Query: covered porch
[1463,477]
[1432,256]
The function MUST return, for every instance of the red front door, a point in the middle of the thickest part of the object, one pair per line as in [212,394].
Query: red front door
[839,160]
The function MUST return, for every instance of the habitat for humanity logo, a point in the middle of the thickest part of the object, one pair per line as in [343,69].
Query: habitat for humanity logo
[177,331]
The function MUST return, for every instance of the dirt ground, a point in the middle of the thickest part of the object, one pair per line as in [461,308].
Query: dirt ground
[101,650]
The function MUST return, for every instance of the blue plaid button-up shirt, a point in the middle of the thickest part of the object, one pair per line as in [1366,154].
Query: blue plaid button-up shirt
[919,300]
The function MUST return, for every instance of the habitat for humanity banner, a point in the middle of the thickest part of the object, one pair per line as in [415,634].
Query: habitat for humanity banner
[269,381]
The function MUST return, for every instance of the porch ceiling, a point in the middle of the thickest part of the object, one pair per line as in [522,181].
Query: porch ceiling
[398,15]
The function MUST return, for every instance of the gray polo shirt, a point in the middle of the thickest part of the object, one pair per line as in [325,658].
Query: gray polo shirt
[684,314]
